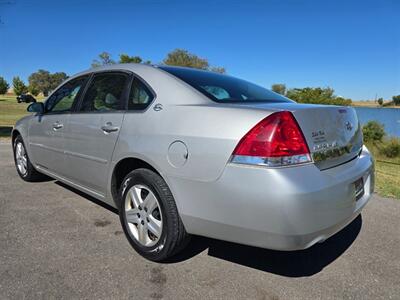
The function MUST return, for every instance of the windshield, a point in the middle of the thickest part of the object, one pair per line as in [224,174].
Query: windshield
[223,88]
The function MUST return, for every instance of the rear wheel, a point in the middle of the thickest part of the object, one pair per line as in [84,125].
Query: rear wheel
[149,216]
[25,169]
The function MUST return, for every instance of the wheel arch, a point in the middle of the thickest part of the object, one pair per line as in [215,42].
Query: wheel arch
[122,168]
[14,135]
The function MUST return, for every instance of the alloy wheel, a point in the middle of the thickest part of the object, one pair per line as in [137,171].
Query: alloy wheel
[21,158]
[143,215]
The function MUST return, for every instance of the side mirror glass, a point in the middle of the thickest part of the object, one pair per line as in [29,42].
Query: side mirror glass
[36,107]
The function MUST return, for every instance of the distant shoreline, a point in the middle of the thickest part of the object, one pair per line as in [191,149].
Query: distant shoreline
[371,104]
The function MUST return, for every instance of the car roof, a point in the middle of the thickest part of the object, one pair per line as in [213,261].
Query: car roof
[115,67]
[159,79]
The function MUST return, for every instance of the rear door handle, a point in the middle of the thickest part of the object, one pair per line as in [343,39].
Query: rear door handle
[108,127]
[57,125]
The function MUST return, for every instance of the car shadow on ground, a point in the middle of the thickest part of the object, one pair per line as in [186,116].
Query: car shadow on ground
[88,197]
[291,264]
[285,263]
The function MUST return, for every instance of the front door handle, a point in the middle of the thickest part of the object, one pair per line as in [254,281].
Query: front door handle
[108,127]
[57,125]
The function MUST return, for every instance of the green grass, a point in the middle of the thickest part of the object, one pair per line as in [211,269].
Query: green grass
[10,112]
[387,173]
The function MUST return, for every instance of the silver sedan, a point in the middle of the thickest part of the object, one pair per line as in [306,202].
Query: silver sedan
[181,151]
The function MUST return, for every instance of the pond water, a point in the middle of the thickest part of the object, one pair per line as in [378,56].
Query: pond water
[389,117]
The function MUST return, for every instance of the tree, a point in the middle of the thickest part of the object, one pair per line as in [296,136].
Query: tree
[396,100]
[4,86]
[56,79]
[43,81]
[126,59]
[33,90]
[40,81]
[279,88]
[19,86]
[104,59]
[183,58]
[380,101]
[316,95]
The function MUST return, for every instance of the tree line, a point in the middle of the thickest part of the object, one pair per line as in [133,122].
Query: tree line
[177,57]
[311,95]
[320,95]
[43,81]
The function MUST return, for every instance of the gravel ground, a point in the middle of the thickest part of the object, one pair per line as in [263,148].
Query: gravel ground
[56,242]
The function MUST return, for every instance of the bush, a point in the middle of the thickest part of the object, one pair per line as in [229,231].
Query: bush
[373,131]
[391,148]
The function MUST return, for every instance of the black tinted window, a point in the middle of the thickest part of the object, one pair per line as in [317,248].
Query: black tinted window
[140,96]
[105,92]
[63,99]
[223,88]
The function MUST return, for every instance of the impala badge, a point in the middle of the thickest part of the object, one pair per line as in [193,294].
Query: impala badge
[349,126]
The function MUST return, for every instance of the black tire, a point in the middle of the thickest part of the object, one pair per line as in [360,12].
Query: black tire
[31,174]
[174,236]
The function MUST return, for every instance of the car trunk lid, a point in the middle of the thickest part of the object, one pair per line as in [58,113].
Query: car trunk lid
[333,133]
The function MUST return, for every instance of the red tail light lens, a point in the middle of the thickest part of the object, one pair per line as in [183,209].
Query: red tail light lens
[275,141]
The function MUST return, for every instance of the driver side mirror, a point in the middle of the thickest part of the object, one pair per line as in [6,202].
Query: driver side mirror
[36,107]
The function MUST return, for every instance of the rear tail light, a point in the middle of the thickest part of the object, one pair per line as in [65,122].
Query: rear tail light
[275,141]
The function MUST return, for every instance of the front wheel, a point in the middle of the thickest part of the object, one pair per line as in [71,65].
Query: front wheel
[149,216]
[24,166]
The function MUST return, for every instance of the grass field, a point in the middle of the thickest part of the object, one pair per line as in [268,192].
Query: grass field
[387,170]
[11,111]
[373,104]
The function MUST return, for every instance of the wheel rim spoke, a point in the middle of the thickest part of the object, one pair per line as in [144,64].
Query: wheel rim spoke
[24,162]
[154,226]
[132,215]
[150,202]
[142,234]
[135,196]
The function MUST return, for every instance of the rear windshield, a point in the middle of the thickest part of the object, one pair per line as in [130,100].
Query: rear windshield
[223,88]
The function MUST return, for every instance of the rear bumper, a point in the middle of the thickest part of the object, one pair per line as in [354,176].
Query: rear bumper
[283,209]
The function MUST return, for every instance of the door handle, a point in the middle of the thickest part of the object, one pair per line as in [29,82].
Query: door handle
[57,125]
[108,127]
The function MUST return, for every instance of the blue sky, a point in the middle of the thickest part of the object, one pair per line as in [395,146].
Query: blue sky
[351,46]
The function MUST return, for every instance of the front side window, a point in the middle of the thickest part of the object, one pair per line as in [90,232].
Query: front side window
[140,96]
[63,99]
[105,93]
[222,88]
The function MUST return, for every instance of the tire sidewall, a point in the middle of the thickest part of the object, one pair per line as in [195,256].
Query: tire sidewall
[143,177]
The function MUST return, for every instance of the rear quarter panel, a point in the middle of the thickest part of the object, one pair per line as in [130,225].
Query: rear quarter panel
[210,133]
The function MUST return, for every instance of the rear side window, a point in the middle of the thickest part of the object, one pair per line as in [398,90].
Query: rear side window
[223,88]
[63,99]
[140,96]
[105,93]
